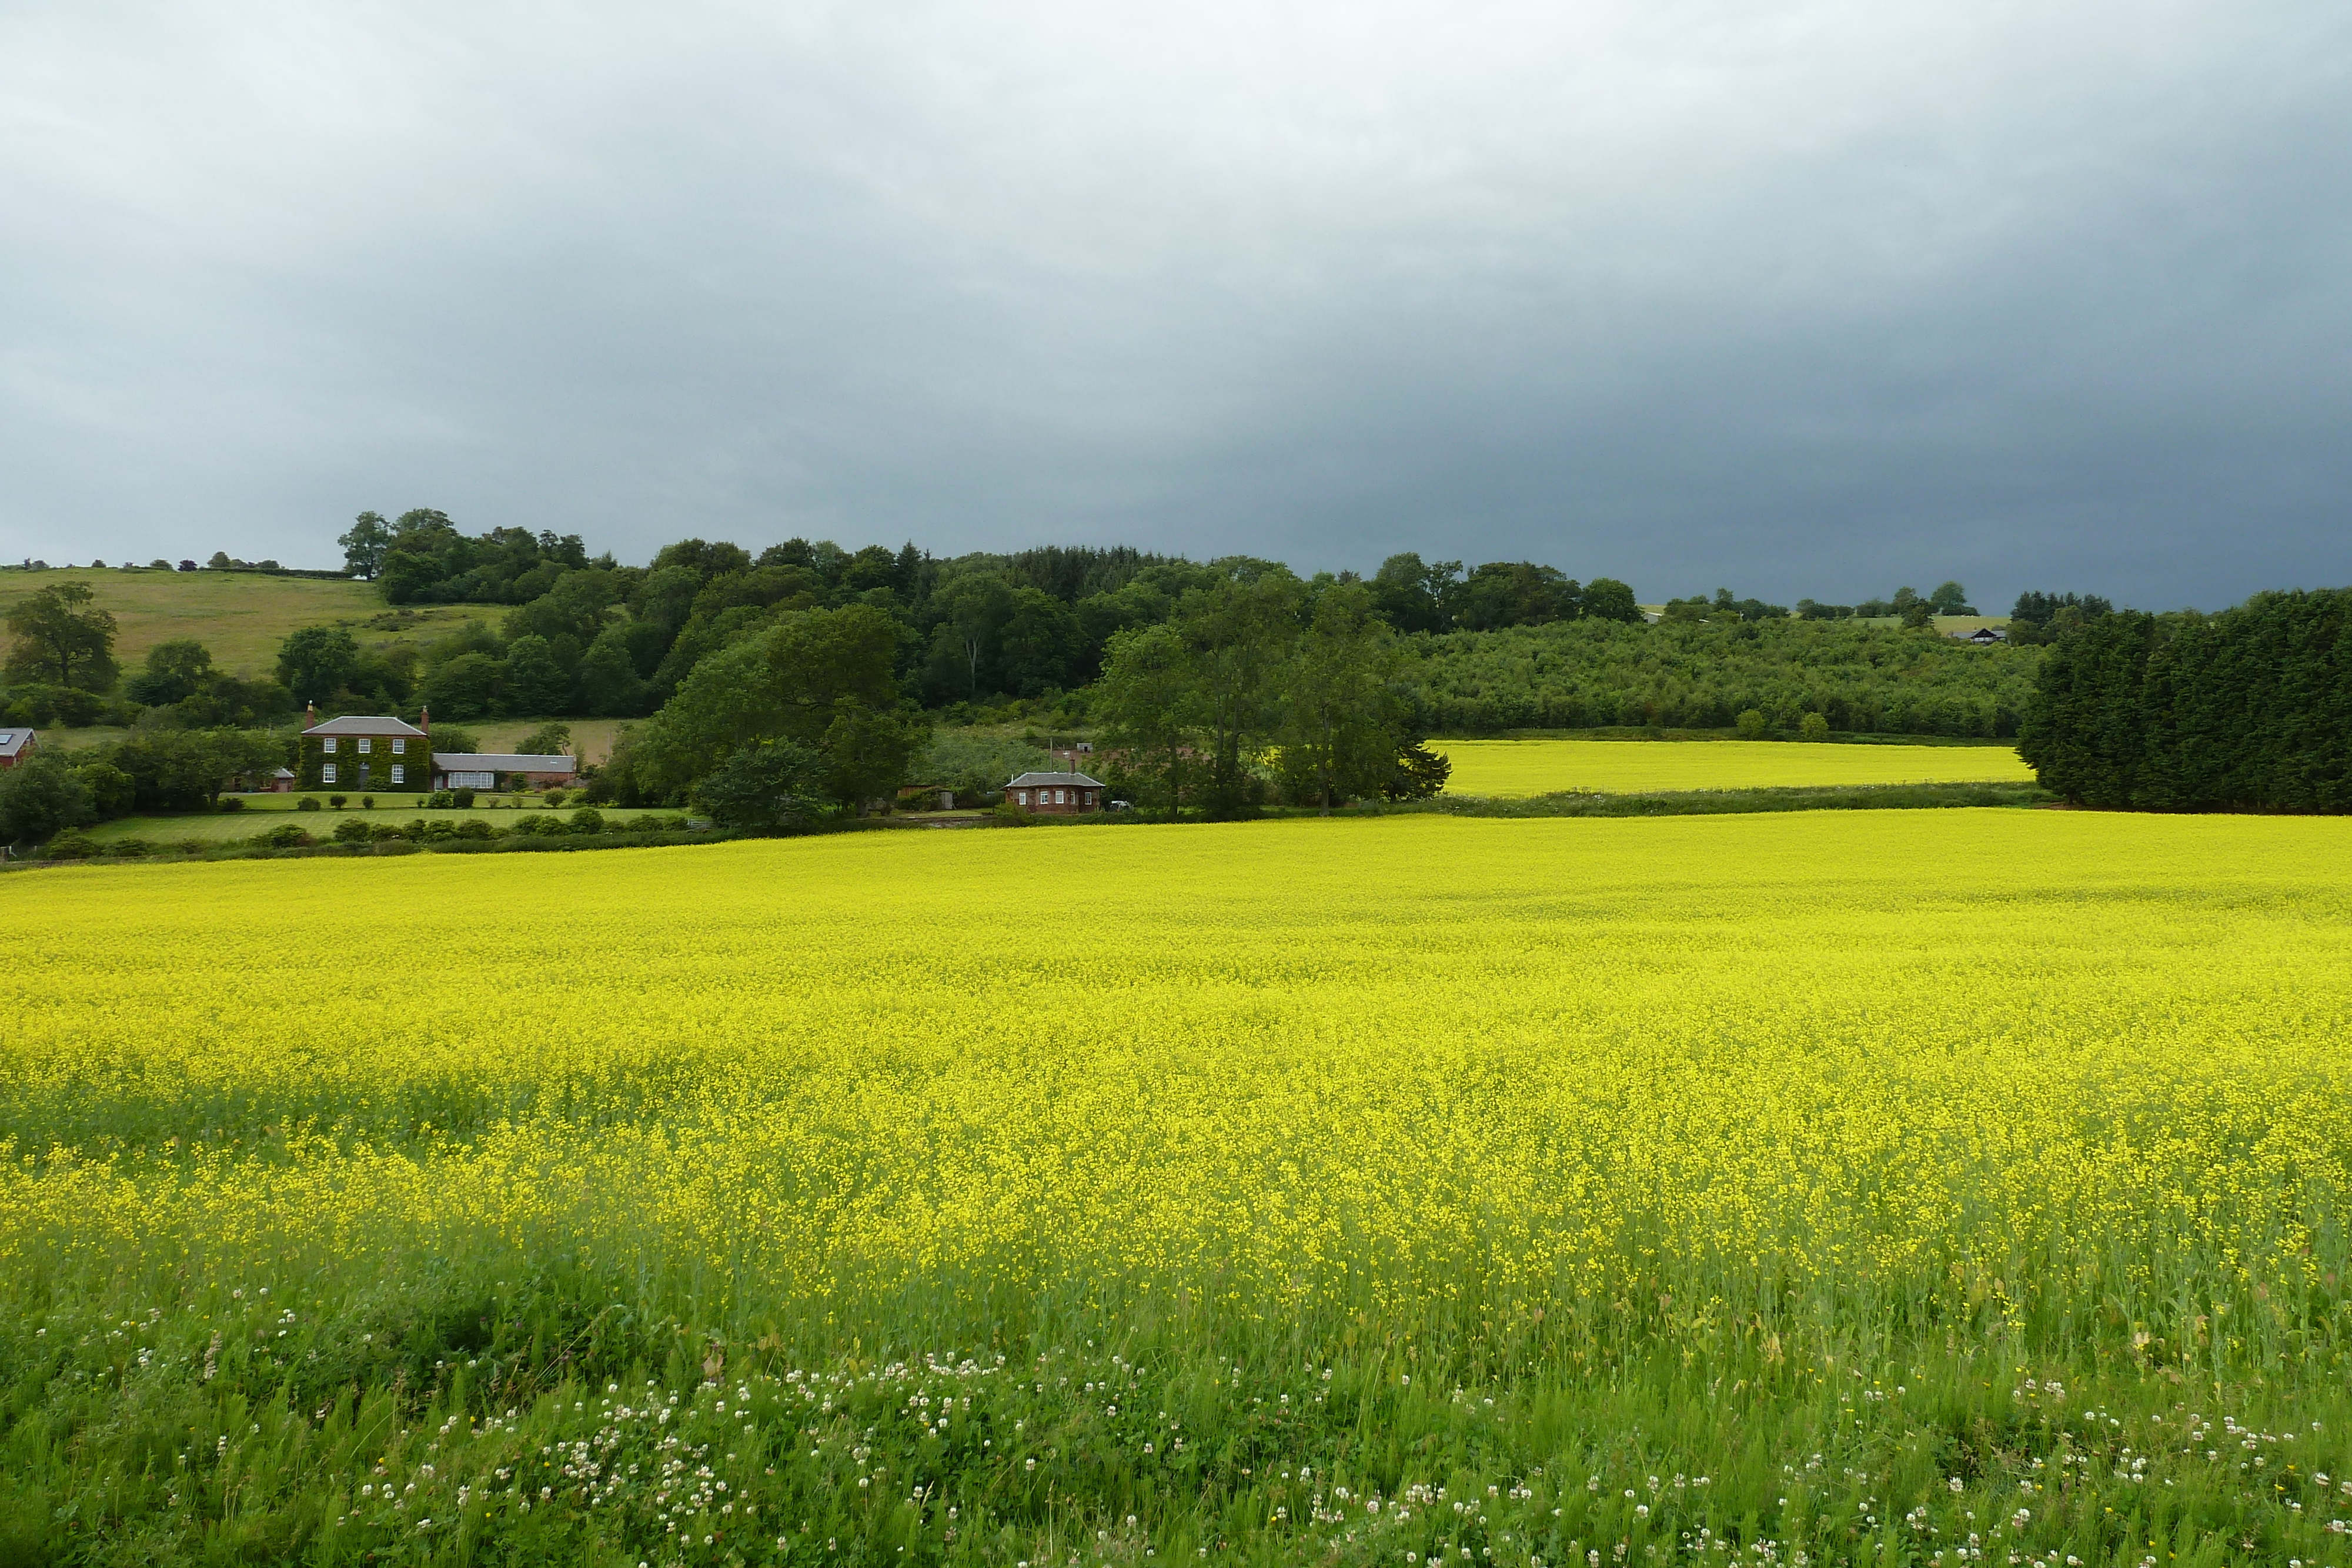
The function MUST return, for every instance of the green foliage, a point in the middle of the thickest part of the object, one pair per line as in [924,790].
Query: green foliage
[767,787]
[547,740]
[821,678]
[315,662]
[1606,599]
[468,685]
[2247,710]
[1814,726]
[1342,714]
[182,770]
[1588,673]
[307,803]
[428,562]
[60,638]
[1420,774]
[1751,724]
[973,765]
[365,543]
[43,796]
[174,672]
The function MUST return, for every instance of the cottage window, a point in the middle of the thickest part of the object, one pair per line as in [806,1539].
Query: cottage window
[327,746]
[399,774]
[327,774]
[366,745]
[399,747]
[1021,796]
[1061,797]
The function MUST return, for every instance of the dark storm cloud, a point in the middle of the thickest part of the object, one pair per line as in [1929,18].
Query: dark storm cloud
[1800,298]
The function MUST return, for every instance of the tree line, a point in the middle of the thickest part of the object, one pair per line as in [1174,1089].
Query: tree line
[2250,709]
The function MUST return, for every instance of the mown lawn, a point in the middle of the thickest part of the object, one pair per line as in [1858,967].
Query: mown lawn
[270,811]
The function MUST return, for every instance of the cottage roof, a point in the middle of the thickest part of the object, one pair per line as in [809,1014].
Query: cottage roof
[1030,780]
[502,762]
[283,773]
[13,741]
[366,724]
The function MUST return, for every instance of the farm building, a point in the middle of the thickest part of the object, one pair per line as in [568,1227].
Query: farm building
[501,770]
[364,751]
[16,745]
[1055,794]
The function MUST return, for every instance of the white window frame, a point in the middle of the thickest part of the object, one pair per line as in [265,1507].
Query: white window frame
[1021,796]
[327,773]
[399,774]
[399,747]
[367,744]
[327,745]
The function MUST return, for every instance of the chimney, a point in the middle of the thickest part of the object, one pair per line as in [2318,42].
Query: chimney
[310,715]
[424,721]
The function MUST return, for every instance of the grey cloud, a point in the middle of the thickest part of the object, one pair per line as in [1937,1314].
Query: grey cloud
[1800,298]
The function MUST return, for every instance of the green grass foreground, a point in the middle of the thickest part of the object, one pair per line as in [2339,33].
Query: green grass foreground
[575,1416]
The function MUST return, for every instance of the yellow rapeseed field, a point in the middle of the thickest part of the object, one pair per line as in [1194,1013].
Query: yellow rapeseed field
[1514,770]
[1739,1062]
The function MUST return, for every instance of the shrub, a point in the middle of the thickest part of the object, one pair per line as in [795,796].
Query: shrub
[1814,726]
[1750,724]
[337,800]
[767,787]
[352,830]
[462,798]
[367,802]
[476,829]
[588,820]
[232,803]
[128,848]
[73,844]
[192,846]
[307,803]
[285,836]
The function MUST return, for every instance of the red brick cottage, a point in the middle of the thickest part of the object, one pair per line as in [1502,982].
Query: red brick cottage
[1055,794]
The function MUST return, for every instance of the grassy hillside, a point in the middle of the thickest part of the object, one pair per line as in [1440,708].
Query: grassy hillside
[242,616]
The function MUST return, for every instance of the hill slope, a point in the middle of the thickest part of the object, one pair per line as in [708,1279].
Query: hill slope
[241,616]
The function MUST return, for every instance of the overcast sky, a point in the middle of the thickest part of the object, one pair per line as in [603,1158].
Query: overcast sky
[1810,298]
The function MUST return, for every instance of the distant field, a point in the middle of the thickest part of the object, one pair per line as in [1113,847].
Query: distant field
[1511,769]
[592,738]
[241,617]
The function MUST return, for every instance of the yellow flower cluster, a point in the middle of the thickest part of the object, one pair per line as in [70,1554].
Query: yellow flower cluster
[2030,1062]
[1516,770]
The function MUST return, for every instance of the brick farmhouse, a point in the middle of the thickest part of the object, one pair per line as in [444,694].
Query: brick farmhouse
[1055,794]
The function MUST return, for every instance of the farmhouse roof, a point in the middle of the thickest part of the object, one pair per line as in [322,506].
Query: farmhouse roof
[366,724]
[13,741]
[1029,780]
[502,762]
